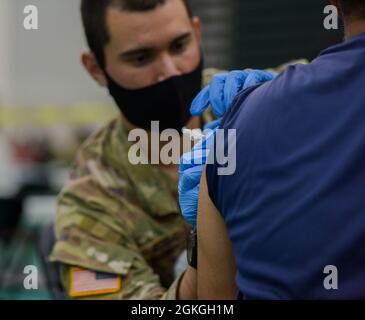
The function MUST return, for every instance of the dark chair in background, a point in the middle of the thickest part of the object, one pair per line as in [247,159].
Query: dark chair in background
[51,269]
[10,214]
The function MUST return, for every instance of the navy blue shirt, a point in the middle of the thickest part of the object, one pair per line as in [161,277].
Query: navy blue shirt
[296,202]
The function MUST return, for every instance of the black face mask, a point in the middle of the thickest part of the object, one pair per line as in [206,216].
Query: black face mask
[167,102]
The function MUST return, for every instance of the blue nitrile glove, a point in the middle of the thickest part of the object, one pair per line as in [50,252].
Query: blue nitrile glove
[220,95]
[191,167]
[224,88]
[213,125]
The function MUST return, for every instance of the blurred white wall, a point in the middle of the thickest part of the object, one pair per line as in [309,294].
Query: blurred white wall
[5,42]
[42,66]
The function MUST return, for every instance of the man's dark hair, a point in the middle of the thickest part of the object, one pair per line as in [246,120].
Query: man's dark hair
[353,8]
[93,14]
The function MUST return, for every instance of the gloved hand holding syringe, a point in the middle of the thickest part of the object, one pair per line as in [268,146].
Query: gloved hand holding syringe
[219,95]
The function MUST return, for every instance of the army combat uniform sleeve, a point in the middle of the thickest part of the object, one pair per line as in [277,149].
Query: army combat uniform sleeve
[91,241]
[118,227]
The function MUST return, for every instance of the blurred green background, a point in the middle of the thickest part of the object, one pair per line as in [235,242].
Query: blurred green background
[265,33]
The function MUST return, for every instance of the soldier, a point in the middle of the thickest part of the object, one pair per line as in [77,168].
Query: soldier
[119,229]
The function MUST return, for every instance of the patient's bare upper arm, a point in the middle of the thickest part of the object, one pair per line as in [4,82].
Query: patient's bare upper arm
[216,263]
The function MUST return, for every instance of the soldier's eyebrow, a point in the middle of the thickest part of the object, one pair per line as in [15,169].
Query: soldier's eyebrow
[182,37]
[146,50]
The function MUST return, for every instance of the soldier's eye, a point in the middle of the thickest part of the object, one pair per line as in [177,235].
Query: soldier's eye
[179,46]
[141,59]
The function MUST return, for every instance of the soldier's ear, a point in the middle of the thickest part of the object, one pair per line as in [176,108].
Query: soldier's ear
[198,27]
[91,65]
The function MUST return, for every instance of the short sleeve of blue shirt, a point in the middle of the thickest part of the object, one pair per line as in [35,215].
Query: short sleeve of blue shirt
[212,167]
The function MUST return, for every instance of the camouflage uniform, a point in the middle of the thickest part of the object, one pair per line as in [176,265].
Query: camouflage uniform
[118,218]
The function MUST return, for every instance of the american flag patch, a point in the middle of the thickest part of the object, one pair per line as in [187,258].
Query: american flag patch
[89,283]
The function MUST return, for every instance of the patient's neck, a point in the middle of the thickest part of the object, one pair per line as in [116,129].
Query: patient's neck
[354,27]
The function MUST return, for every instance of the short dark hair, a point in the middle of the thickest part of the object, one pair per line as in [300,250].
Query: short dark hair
[355,8]
[93,14]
